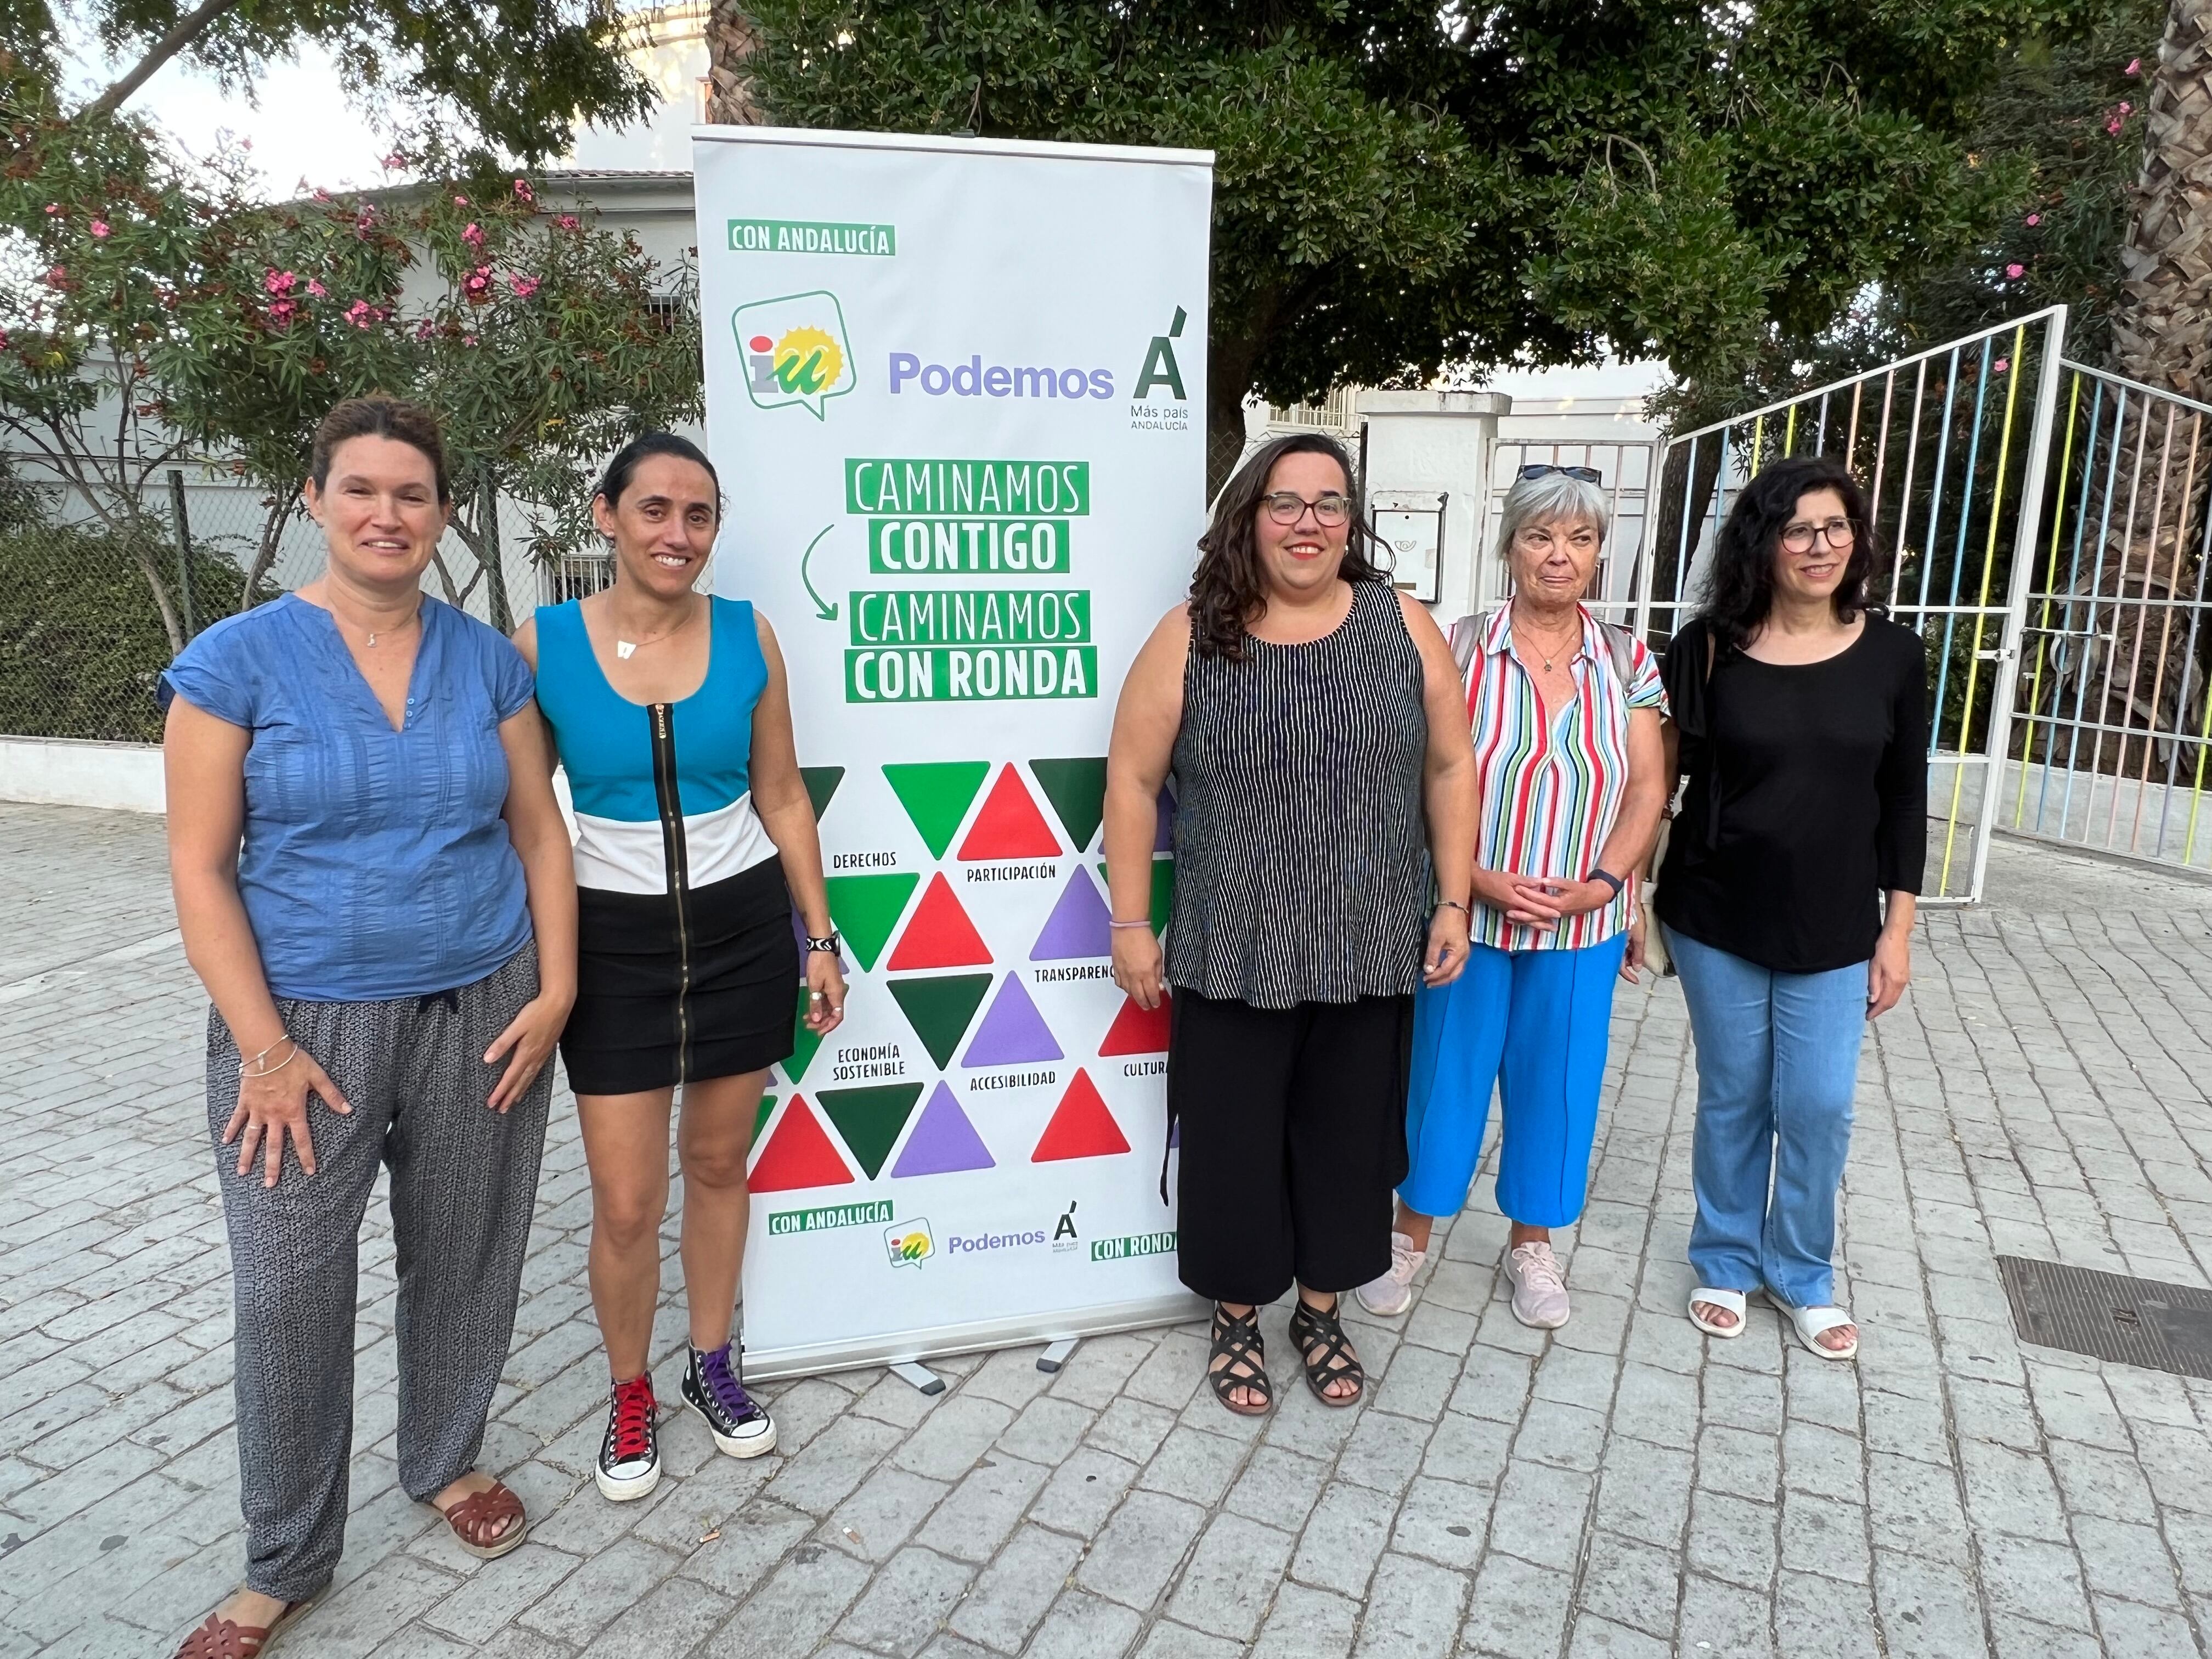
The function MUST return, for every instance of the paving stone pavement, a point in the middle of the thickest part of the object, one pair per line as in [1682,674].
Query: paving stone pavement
[1622,1488]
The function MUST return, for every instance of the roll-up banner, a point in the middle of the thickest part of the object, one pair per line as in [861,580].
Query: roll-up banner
[955,389]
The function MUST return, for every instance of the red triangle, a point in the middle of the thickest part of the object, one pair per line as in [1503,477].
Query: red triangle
[1009,826]
[1081,1125]
[1135,1031]
[940,935]
[798,1154]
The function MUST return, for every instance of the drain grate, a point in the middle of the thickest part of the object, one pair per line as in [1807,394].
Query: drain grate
[2138,1322]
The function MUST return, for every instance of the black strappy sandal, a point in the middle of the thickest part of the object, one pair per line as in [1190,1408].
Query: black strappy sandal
[1237,1336]
[1326,1353]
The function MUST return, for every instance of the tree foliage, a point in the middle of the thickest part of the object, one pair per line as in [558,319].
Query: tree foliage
[1400,186]
[516,75]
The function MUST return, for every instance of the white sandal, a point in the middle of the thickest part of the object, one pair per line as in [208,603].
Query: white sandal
[1811,1324]
[1729,1301]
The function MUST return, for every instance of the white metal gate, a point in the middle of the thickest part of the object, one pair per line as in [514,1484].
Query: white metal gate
[1952,445]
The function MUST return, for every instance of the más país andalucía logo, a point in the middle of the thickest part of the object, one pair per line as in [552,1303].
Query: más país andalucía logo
[796,350]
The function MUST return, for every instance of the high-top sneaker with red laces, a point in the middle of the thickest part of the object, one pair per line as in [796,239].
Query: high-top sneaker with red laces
[740,1424]
[629,1455]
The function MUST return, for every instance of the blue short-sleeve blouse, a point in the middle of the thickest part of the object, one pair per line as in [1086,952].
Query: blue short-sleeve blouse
[375,863]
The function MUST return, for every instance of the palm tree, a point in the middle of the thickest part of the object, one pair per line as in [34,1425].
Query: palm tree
[730,38]
[2162,334]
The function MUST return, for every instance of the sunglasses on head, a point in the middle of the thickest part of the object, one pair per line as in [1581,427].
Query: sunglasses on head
[1545,469]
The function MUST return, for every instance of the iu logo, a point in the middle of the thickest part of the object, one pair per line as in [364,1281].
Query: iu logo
[796,350]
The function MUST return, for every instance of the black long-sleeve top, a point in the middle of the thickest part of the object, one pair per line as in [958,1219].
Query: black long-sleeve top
[1807,797]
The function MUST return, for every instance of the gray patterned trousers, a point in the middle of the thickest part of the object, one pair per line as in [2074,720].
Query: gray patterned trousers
[464,1181]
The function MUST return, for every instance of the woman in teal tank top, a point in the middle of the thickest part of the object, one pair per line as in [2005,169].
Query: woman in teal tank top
[694,838]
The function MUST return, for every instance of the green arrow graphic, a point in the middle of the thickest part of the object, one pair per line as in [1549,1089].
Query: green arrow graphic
[828,613]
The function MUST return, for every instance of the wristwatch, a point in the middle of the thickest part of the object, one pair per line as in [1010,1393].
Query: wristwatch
[828,942]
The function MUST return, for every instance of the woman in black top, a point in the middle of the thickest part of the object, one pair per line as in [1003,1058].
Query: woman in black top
[1801,720]
[1313,721]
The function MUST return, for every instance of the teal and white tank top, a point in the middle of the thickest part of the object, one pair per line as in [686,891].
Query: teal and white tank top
[663,792]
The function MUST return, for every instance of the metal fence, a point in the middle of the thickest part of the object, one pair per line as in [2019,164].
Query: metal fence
[1952,445]
[98,589]
[2116,706]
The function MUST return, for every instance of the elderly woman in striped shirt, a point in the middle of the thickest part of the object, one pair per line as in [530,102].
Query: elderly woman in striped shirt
[1570,770]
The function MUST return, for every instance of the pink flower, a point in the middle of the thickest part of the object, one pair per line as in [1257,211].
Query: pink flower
[397,159]
[468,339]
[2034,218]
[58,276]
[477,285]
[99,227]
[523,191]
[364,220]
[282,311]
[524,287]
[322,195]
[460,201]
[2127,108]
[2014,272]
[315,288]
[568,221]
[474,235]
[53,210]
[361,314]
[280,282]
[2134,67]
[2113,126]
[2003,364]
[424,329]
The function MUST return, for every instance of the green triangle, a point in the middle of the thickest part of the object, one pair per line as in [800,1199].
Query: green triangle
[803,1042]
[1077,790]
[866,908]
[761,1118]
[936,796]
[1163,891]
[821,783]
[940,1009]
[869,1119]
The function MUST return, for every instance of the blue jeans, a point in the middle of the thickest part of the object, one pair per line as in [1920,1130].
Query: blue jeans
[1777,1060]
[1534,1025]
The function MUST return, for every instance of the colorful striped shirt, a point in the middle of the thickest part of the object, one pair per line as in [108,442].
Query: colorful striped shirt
[1550,794]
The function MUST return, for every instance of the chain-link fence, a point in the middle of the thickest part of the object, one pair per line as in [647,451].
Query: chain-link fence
[100,587]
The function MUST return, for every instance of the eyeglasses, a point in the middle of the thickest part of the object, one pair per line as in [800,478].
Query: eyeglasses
[1837,532]
[1288,507]
[1545,469]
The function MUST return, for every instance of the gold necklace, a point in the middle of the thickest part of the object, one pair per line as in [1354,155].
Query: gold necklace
[625,649]
[1564,639]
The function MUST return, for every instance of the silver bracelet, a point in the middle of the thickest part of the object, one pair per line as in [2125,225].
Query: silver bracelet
[271,1071]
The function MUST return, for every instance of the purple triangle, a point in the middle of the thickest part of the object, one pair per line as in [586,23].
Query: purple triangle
[1080,924]
[1164,840]
[1013,1033]
[943,1141]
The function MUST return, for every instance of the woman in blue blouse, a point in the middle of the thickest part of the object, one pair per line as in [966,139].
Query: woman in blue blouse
[694,844]
[373,883]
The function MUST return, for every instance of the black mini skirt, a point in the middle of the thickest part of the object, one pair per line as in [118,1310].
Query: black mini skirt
[674,988]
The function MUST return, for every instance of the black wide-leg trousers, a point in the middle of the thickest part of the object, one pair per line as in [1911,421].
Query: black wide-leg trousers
[1293,1126]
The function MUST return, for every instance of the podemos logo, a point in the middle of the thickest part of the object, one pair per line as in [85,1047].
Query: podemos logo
[796,350]
[909,1243]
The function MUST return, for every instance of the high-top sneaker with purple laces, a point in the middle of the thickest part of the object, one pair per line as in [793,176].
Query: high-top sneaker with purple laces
[740,1425]
[630,1453]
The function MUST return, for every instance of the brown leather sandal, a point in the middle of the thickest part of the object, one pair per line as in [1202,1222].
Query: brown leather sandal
[226,1639]
[473,1519]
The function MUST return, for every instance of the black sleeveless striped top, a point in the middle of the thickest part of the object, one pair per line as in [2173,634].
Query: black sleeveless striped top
[1302,865]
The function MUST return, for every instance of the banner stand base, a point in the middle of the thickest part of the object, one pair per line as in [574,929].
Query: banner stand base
[912,1348]
[919,1378]
[1055,1354]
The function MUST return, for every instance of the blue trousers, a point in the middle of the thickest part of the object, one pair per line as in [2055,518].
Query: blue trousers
[1777,1061]
[1533,1025]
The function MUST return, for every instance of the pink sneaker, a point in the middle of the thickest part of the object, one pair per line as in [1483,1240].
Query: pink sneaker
[1540,1286]
[1393,1293]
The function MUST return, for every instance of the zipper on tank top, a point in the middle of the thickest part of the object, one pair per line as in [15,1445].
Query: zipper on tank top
[671,802]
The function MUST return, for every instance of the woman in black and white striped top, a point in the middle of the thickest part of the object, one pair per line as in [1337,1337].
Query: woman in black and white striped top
[1312,720]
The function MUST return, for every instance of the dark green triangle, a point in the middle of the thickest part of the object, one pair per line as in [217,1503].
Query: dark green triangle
[761,1118]
[803,1042]
[821,783]
[866,908]
[940,1009]
[1077,790]
[1163,892]
[936,796]
[869,1119]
